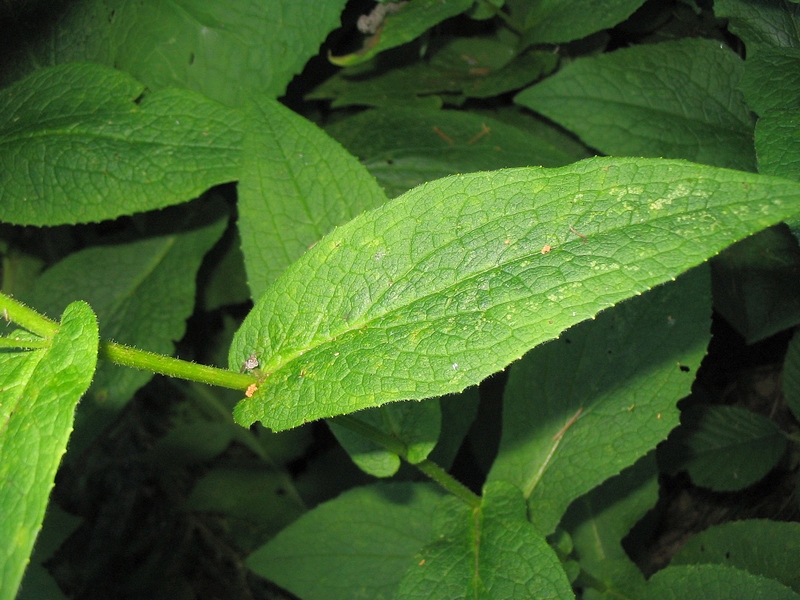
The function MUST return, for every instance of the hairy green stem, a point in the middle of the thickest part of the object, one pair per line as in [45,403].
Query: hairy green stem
[428,467]
[7,342]
[27,318]
[174,367]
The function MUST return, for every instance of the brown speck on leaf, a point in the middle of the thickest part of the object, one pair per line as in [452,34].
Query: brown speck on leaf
[484,129]
[546,248]
[251,390]
[444,136]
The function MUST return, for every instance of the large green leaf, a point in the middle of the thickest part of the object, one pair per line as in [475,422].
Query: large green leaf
[404,147]
[582,408]
[85,143]
[433,292]
[491,552]
[357,546]
[675,99]
[40,389]
[142,291]
[226,50]
[714,582]
[557,21]
[759,546]
[296,185]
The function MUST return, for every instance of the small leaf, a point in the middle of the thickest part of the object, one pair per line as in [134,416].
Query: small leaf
[415,424]
[296,185]
[435,291]
[491,552]
[724,448]
[558,21]
[357,546]
[713,582]
[758,546]
[40,389]
[582,408]
[675,99]
[81,143]
[395,23]
[405,147]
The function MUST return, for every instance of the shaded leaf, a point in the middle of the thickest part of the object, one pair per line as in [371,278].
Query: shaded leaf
[296,185]
[778,143]
[143,291]
[756,284]
[226,50]
[582,408]
[40,389]
[791,376]
[82,143]
[433,292]
[771,78]
[458,413]
[675,99]
[714,582]
[600,519]
[490,552]
[758,546]
[724,448]
[405,147]
[762,23]
[558,21]
[356,546]
[414,424]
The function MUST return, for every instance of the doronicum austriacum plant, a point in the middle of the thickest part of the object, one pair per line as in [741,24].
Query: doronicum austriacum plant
[446,299]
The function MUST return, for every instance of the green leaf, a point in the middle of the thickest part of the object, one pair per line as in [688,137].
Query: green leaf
[778,143]
[756,284]
[226,50]
[396,23]
[762,23]
[415,425]
[675,99]
[83,143]
[142,291]
[491,552]
[724,448]
[296,185]
[356,546]
[458,413]
[771,79]
[405,147]
[714,582]
[758,546]
[582,408]
[433,292]
[619,579]
[558,21]
[600,519]
[791,376]
[40,389]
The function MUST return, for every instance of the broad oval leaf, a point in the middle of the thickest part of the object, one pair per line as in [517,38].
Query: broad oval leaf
[38,393]
[713,582]
[558,21]
[433,292]
[81,143]
[675,99]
